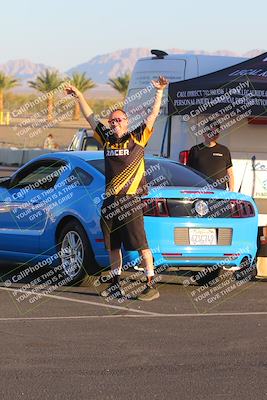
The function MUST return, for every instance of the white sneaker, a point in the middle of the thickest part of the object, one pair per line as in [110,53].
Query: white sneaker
[232,268]
[137,268]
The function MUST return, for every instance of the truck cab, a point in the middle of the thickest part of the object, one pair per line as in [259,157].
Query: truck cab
[169,136]
[83,140]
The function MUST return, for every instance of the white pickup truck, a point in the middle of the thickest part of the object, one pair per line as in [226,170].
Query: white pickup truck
[171,136]
[83,140]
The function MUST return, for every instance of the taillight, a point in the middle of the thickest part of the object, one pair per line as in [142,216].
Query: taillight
[183,157]
[242,209]
[155,208]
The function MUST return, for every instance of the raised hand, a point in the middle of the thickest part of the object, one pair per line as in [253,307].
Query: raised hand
[72,90]
[161,83]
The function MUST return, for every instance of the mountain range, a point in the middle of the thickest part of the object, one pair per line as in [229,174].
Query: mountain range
[102,67]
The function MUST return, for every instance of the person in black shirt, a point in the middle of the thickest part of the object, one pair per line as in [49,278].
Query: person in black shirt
[213,159]
[125,184]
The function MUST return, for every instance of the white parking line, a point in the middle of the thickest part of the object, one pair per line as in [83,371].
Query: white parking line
[151,315]
[93,303]
[138,313]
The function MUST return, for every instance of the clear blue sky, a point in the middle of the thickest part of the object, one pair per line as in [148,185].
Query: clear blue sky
[64,33]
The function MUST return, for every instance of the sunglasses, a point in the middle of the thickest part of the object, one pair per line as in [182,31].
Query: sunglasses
[116,120]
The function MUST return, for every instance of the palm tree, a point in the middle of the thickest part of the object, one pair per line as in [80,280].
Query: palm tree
[82,83]
[120,83]
[6,82]
[46,82]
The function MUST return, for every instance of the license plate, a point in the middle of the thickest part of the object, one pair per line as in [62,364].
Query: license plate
[202,237]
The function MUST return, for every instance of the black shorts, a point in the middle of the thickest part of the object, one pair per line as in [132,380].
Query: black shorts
[122,223]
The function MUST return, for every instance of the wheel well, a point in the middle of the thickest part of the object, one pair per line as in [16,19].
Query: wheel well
[69,218]
[64,221]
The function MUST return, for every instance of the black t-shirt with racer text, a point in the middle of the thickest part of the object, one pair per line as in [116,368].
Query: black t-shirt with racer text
[124,160]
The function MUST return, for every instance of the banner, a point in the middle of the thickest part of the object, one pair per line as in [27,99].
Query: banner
[239,89]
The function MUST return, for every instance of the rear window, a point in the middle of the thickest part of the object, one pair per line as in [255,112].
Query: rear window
[80,177]
[172,174]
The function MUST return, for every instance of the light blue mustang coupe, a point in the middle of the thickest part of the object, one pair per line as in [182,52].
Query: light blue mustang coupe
[52,204]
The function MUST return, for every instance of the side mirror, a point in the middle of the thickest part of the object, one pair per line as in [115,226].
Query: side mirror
[183,157]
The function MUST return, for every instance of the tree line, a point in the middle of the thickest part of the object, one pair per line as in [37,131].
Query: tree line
[48,80]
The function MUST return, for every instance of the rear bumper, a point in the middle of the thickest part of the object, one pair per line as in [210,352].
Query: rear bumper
[167,249]
[191,262]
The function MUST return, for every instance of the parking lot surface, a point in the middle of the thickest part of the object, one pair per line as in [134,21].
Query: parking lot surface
[192,343]
[72,344]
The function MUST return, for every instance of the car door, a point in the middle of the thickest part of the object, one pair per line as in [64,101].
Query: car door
[24,207]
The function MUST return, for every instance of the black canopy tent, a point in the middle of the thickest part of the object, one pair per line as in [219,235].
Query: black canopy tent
[241,88]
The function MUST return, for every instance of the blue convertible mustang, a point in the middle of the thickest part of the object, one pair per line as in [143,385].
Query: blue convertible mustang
[52,206]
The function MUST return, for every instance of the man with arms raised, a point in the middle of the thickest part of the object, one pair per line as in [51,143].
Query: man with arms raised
[125,184]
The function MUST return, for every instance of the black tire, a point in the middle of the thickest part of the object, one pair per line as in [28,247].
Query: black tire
[248,270]
[77,258]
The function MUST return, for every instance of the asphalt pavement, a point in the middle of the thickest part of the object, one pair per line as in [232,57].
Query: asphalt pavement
[72,344]
[202,343]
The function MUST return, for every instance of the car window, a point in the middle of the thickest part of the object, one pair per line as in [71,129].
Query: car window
[79,177]
[90,144]
[40,175]
[172,173]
